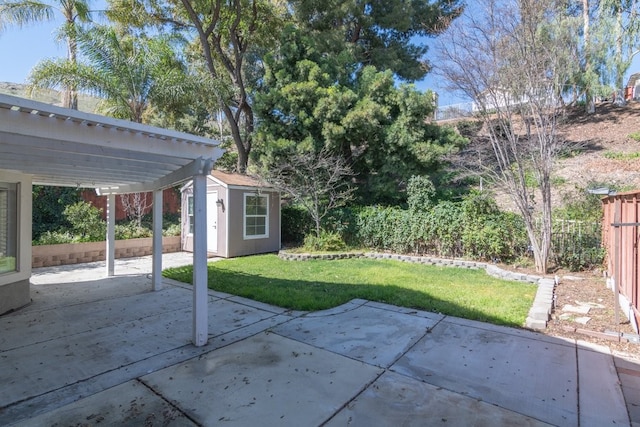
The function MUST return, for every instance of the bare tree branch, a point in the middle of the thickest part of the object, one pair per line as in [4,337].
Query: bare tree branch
[513,58]
[318,182]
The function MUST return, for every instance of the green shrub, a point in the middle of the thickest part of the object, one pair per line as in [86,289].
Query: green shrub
[172,230]
[48,207]
[474,228]
[326,242]
[295,224]
[131,231]
[343,221]
[420,193]
[86,222]
[54,238]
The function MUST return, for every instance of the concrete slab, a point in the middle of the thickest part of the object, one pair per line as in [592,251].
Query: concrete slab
[263,380]
[74,355]
[517,372]
[629,374]
[118,354]
[128,404]
[397,400]
[377,334]
[595,369]
[52,323]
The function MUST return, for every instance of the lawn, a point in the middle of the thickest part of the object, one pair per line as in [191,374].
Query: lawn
[320,284]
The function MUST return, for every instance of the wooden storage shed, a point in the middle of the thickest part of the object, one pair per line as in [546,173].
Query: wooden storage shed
[243,216]
[620,229]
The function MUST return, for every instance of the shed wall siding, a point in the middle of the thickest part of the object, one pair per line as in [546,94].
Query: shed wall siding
[231,242]
[238,246]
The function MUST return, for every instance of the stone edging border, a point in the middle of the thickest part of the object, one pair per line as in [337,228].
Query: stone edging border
[540,311]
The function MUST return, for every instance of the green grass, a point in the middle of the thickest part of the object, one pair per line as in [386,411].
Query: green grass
[635,136]
[320,284]
[616,155]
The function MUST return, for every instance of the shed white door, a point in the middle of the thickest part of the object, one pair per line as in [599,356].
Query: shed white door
[212,222]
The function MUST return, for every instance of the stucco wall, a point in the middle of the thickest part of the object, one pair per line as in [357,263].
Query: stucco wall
[76,253]
[14,285]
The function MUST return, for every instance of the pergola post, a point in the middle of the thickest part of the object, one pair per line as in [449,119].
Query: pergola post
[200,297]
[110,252]
[156,270]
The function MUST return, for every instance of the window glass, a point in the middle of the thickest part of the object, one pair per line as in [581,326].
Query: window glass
[190,213]
[8,227]
[256,216]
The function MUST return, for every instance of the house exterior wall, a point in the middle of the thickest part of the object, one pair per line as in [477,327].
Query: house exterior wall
[621,244]
[14,285]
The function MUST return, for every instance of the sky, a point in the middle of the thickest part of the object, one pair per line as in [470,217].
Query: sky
[22,49]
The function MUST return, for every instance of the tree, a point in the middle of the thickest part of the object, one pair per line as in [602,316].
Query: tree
[607,36]
[310,101]
[48,206]
[135,206]
[130,74]
[619,29]
[513,59]
[378,33]
[315,181]
[24,12]
[227,36]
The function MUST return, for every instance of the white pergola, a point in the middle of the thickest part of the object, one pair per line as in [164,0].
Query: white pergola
[62,147]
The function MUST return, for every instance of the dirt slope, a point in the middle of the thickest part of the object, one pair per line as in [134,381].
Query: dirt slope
[604,152]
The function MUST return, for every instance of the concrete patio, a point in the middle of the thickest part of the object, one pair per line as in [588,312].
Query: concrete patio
[91,351]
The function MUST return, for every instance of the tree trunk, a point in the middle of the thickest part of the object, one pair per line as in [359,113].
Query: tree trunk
[588,93]
[70,94]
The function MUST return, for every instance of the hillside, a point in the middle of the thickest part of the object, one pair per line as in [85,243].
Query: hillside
[603,150]
[86,103]
[606,153]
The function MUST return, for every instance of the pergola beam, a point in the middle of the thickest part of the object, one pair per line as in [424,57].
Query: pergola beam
[62,147]
[196,167]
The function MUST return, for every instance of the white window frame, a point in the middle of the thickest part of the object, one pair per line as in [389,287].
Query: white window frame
[245,216]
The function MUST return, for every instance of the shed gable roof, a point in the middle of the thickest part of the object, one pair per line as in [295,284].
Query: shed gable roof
[236,180]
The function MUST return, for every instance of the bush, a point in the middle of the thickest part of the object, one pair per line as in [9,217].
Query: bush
[86,222]
[130,231]
[172,230]
[420,193]
[48,207]
[344,222]
[326,242]
[295,224]
[474,228]
[54,238]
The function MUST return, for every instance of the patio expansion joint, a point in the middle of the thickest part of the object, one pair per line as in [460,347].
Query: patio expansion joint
[169,402]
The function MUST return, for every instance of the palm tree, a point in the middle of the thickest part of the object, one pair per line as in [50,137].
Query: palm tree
[25,12]
[130,74]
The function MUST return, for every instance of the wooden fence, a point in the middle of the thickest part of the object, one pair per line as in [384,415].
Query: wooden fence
[620,237]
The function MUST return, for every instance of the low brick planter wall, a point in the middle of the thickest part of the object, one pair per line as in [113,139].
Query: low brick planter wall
[77,253]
